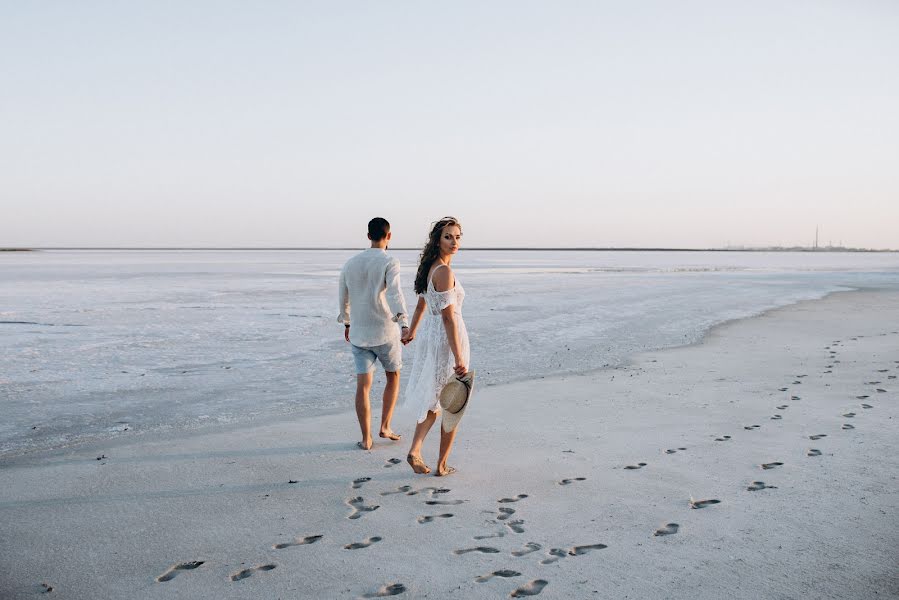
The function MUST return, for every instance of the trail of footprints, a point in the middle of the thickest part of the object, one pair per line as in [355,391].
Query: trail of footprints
[504,514]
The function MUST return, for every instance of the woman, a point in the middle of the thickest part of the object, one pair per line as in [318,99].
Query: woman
[442,350]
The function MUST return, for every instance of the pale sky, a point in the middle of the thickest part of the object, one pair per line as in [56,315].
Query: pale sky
[649,123]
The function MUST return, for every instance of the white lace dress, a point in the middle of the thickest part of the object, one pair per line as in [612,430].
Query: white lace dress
[434,361]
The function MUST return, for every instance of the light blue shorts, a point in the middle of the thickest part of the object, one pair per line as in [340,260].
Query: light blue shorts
[390,355]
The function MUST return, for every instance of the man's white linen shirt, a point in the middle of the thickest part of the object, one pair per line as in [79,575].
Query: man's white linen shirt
[370,285]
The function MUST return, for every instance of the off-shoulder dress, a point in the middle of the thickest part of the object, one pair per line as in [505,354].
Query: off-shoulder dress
[434,361]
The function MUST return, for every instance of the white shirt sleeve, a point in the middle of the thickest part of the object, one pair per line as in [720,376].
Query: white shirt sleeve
[343,299]
[395,299]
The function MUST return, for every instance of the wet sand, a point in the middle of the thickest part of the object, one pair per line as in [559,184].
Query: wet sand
[759,463]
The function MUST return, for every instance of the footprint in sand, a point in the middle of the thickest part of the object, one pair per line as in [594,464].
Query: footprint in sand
[776,418]
[554,555]
[636,466]
[817,436]
[797,382]
[247,572]
[498,534]
[760,485]
[515,499]
[391,462]
[783,407]
[572,480]
[357,483]
[309,539]
[813,452]
[867,406]
[434,491]
[751,427]
[501,573]
[481,549]
[848,426]
[795,398]
[782,389]
[891,377]
[882,370]
[771,465]
[580,550]
[365,544]
[881,391]
[703,503]
[430,518]
[723,438]
[400,490]
[360,508]
[530,589]
[392,589]
[849,415]
[800,376]
[872,383]
[862,397]
[528,548]
[444,502]
[505,513]
[669,529]
[516,526]
[173,571]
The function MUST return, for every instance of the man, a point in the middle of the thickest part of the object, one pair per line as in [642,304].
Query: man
[370,286]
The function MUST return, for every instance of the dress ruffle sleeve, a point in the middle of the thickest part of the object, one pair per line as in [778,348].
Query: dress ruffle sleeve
[443,299]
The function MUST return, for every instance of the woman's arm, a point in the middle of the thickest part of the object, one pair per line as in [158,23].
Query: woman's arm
[416,320]
[452,336]
[443,281]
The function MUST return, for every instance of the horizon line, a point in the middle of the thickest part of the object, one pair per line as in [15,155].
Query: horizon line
[476,249]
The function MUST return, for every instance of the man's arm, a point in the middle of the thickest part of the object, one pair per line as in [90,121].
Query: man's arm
[343,302]
[395,300]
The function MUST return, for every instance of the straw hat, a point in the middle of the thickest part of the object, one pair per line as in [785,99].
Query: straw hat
[454,399]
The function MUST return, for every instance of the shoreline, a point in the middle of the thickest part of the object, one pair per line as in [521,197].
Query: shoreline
[773,249]
[174,432]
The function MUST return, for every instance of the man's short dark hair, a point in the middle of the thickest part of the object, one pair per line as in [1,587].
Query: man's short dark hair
[378,229]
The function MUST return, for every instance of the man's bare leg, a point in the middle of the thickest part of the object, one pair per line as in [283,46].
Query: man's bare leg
[363,409]
[421,430]
[391,392]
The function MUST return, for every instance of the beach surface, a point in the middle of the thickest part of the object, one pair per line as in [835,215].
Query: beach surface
[759,463]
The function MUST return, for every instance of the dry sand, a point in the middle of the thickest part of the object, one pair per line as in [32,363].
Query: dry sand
[544,500]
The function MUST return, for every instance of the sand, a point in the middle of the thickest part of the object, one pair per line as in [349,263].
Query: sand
[562,486]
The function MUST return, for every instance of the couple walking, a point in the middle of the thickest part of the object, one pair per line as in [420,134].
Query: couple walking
[440,381]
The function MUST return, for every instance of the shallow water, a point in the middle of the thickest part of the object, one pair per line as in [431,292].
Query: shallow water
[94,342]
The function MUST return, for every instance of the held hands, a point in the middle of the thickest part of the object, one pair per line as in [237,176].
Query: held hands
[406,336]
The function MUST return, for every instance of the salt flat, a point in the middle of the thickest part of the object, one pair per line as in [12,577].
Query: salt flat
[562,485]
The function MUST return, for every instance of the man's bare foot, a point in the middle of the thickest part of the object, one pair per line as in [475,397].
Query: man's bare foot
[390,435]
[417,464]
[364,446]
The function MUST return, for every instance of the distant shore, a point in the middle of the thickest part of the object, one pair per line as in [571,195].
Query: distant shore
[480,249]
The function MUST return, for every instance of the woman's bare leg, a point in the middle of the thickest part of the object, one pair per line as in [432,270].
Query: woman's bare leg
[446,444]
[421,430]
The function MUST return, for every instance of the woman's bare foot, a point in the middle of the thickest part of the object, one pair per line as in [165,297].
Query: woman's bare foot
[390,435]
[363,445]
[444,471]
[417,464]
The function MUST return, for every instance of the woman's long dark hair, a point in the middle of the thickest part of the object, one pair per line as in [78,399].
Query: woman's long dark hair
[431,252]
